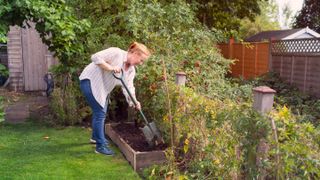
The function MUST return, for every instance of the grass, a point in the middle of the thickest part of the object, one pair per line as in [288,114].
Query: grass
[32,150]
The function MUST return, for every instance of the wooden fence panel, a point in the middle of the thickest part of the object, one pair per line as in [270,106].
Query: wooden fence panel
[237,68]
[313,76]
[277,63]
[263,59]
[286,68]
[224,49]
[249,62]
[300,71]
[298,74]
[251,59]
[298,63]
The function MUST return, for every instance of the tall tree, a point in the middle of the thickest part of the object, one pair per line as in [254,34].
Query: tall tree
[309,16]
[225,14]
[287,16]
[267,20]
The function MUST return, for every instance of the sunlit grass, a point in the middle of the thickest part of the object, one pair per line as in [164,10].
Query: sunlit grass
[34,151]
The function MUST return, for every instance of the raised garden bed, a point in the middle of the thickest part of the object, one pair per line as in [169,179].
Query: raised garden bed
[134,147]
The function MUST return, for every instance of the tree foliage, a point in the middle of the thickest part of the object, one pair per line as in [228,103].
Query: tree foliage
[62,32]
[58,27]
[225,15]
[287,15]
[309,16]
[171,30]
[267,20]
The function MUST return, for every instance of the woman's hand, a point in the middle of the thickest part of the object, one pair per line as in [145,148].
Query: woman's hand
[138,106]
[116,69]
[107,67]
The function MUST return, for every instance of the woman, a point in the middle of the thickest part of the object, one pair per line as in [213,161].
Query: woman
[97,81]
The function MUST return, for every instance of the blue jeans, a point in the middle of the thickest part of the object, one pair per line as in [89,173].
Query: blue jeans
[98,113]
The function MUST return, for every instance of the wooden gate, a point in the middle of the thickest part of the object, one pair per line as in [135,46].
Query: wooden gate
[36,59]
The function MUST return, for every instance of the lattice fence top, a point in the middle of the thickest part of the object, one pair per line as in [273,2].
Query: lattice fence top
[296,46]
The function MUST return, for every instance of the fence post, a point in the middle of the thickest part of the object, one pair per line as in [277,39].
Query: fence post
[230,44]
[180,81]
[292,69]
[281,66]
[270,55]
[181,78]
[263,102]
[263,99]
[255,59]
[243,50]
[305,73]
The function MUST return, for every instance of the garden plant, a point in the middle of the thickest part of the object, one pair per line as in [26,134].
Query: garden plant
[209,125]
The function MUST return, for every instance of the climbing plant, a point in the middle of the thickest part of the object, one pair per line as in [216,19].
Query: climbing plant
[55,22]
[60,30]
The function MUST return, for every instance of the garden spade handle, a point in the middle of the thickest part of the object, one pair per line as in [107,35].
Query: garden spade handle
[133,100]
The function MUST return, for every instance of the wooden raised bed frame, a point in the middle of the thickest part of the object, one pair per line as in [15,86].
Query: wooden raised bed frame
[137,159]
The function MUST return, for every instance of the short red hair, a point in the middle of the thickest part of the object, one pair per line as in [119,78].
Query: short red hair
[135,46]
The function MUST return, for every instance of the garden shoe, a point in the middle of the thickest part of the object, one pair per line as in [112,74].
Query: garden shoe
[92,141]
[103,149]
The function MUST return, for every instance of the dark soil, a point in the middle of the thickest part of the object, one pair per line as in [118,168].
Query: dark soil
[135,138]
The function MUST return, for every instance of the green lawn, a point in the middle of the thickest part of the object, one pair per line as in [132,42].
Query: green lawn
[65,154]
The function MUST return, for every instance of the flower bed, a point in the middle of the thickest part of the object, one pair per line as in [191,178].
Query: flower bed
[134,147]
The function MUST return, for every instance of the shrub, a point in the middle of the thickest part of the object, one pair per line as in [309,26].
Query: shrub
[298,148]
[64,102]
[207,133]
[4,74]
[173,33]
[4,71]
[203,146]
[305,107]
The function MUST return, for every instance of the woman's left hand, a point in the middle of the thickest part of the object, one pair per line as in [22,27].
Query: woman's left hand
[138,106]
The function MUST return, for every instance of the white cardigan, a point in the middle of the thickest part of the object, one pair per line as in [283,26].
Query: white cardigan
[103,82]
